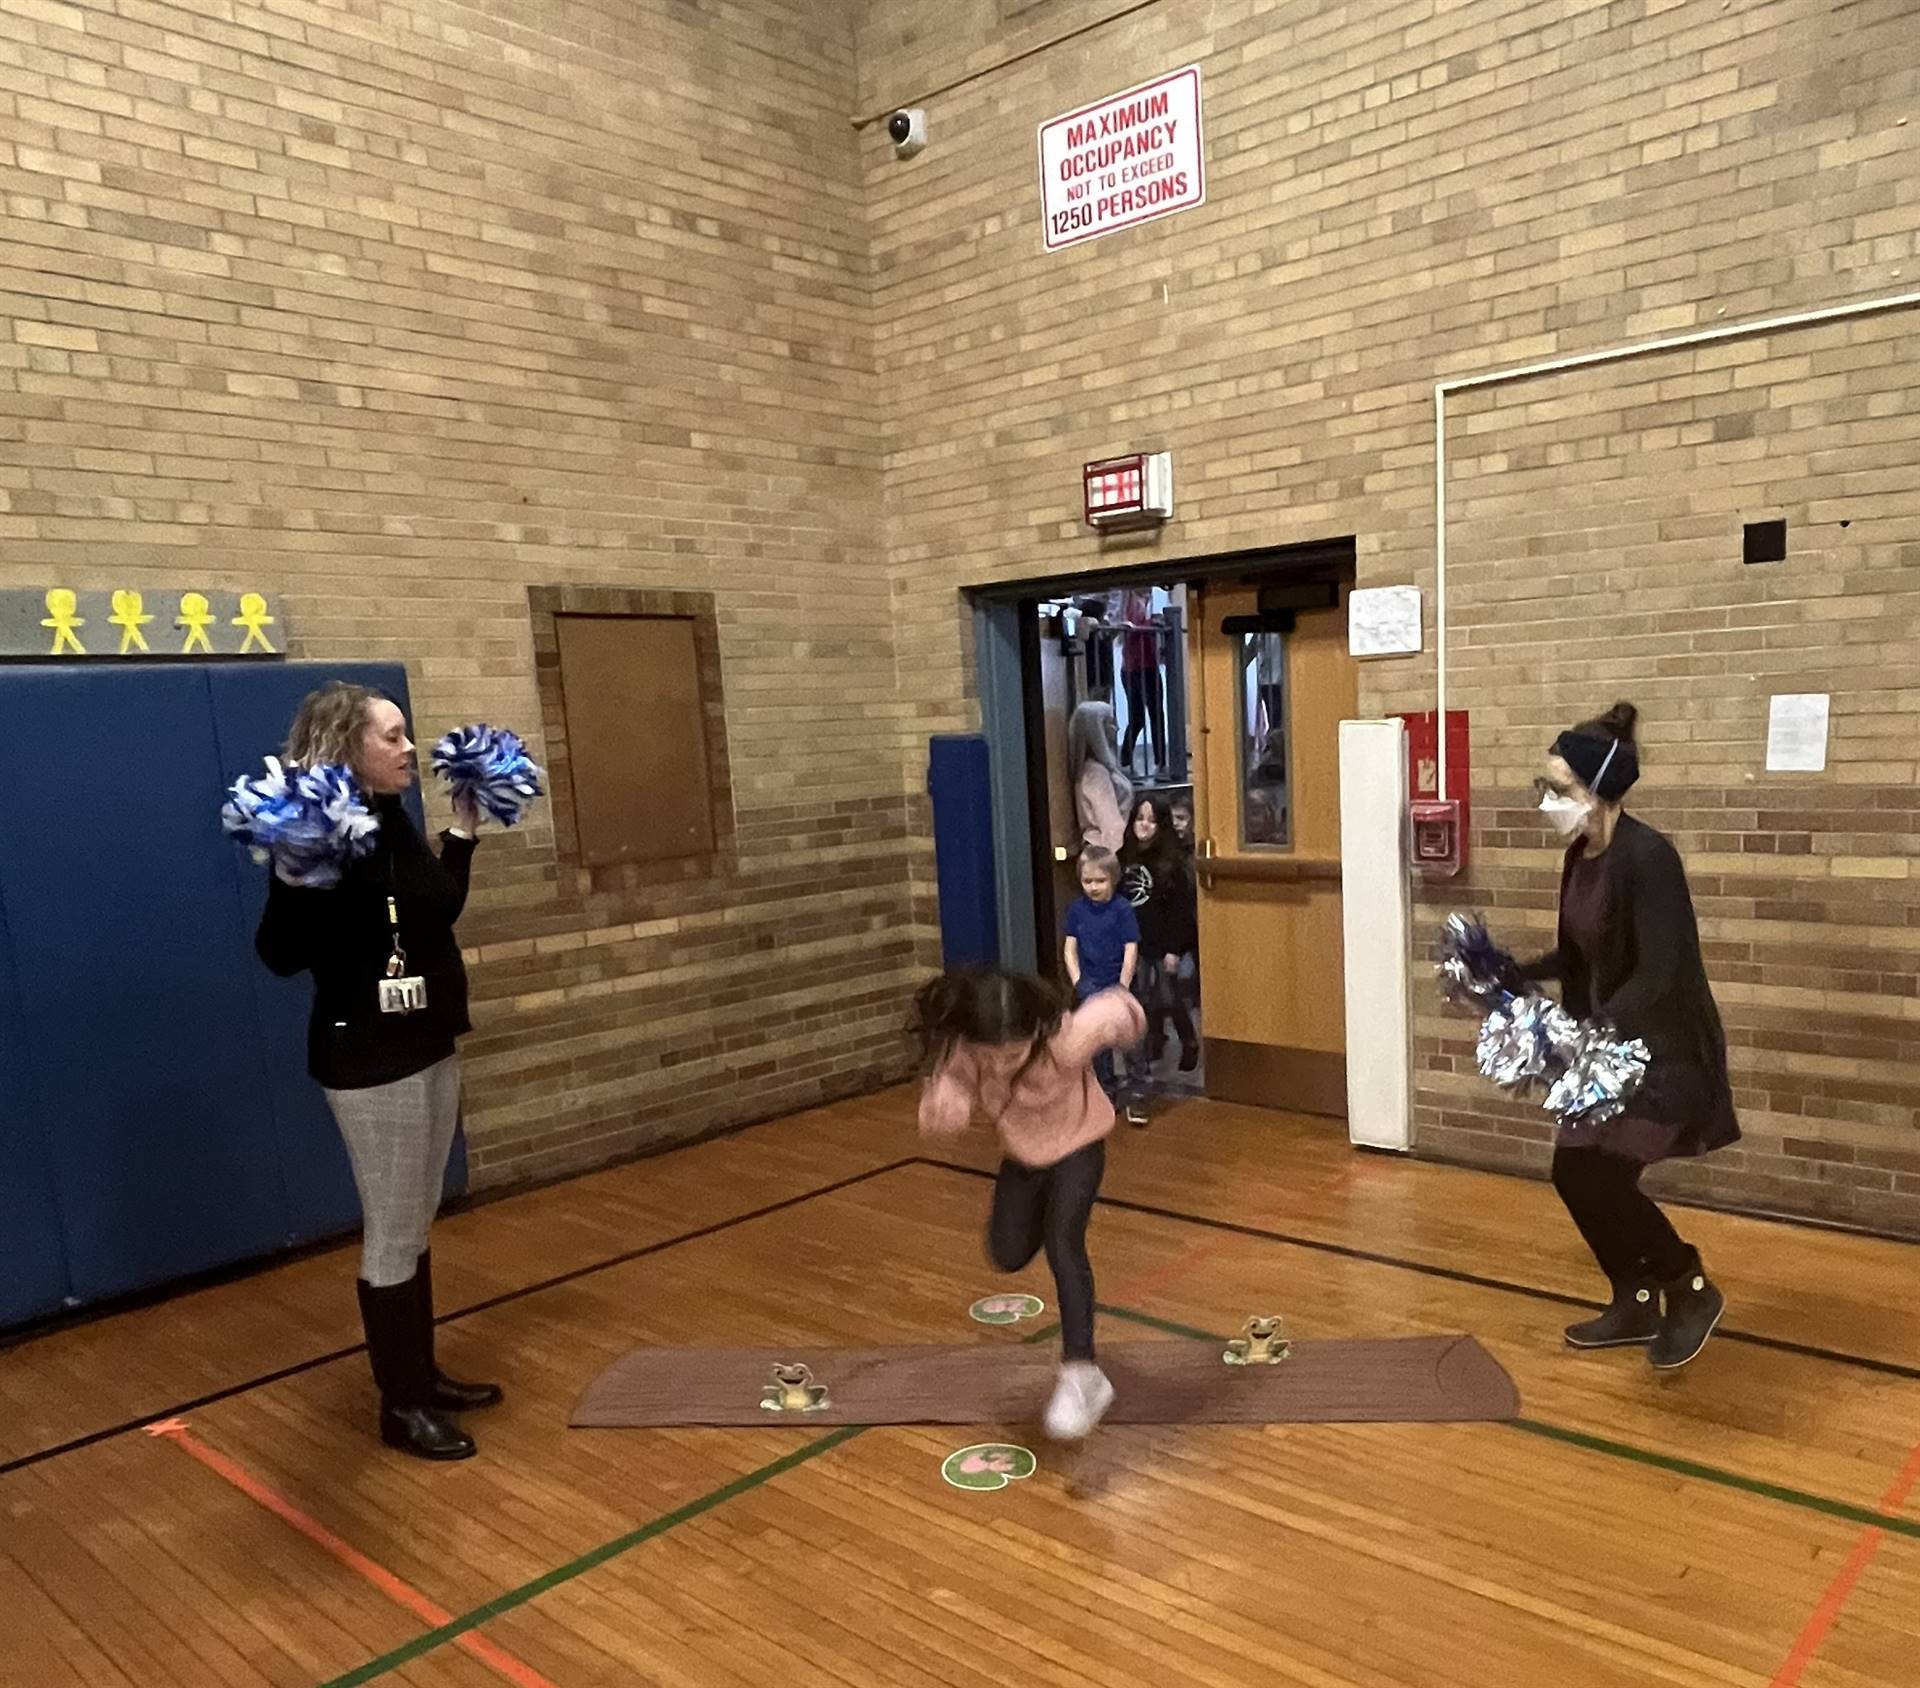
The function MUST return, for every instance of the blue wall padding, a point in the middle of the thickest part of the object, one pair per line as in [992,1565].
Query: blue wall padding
[156,1118]
[33,1261]
[957,780]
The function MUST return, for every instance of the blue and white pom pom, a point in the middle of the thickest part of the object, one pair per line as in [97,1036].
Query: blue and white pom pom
[1528,1042]
[309,822]
[490,765]
[1588,1071]
[1471,967]
[1601,1074]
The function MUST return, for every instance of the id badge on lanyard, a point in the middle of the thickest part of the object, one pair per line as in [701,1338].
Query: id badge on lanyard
[401,992]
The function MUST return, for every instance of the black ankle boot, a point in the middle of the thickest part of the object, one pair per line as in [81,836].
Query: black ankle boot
[1633,1317]
[403,1370]
[448,1394]
[1693,1309]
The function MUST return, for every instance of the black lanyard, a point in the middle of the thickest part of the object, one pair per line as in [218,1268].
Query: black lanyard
[396,962]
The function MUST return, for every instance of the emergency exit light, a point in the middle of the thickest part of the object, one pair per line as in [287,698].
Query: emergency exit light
[1128,491]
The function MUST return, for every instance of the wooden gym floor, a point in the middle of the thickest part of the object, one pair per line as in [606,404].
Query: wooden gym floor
[1744,1523]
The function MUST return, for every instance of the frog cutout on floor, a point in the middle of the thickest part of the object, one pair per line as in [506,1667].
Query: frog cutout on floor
[1263,1342]
[794,1391]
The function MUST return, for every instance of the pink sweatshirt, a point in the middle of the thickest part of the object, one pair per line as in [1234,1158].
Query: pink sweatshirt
[1098,806]
[1058,1106]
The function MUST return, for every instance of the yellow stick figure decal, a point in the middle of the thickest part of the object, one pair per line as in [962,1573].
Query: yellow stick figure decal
[129,616]
[61,605]
[196,618]
[254,618]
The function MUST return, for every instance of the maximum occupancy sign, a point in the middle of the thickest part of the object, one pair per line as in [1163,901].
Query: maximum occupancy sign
[1123,160]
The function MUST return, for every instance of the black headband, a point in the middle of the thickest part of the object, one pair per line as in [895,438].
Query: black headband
[1607,767]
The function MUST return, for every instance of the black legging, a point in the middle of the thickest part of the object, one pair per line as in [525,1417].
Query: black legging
[1035,1206]
[1629,1235]
[1159,994]
[1099,646]
[1146,707]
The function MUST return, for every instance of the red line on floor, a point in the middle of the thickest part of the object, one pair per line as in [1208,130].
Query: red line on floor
[1825,1615]
[401,1593]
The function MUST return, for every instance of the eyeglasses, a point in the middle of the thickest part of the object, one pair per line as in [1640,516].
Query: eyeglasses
[1550,788]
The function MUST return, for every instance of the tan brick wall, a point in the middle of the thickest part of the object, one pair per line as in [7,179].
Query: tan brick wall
[403,312]
[1397,197]
[400,310]
[1595,550]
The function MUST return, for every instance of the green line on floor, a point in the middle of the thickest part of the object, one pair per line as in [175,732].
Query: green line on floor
[1165,1326]
[1801,1498]
[1725,1479]
[504,1603]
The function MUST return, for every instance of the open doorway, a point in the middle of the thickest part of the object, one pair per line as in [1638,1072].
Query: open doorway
[1112,685]
[1219,684]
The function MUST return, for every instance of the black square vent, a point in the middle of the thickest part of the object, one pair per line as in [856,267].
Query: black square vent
[1765,542]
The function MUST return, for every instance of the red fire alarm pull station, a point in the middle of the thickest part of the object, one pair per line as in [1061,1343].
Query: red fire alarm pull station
[1440,818]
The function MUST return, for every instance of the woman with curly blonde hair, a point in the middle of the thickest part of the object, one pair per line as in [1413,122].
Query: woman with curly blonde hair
[385,1058]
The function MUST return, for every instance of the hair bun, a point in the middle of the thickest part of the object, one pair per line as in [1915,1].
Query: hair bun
[1619,721]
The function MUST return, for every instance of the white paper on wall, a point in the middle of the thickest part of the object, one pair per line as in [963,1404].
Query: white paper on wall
[1797,733]
[1384,621]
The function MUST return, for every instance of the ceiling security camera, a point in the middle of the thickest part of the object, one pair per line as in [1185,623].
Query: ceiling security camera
[908,131]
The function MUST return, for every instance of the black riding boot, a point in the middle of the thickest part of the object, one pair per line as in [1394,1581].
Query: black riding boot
[403,1369]
[448,1394]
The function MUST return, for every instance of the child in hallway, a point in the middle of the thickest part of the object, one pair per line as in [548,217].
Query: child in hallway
[1102,951]
[1157,880]
[1181,809]
[1009,1046]
[1186,976]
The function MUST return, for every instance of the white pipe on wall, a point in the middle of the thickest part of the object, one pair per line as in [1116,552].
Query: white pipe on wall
[1584,360]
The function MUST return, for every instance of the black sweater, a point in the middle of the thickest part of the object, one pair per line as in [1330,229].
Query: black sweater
[341,935]
[1160,886]
[1647,979]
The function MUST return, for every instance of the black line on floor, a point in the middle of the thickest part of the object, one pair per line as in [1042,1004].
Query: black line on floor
[75,1445]
[338,1242]
[1345,1251]
[672,1242]
[1873,1517]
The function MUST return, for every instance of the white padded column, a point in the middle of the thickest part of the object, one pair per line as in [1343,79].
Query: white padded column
[1376,909]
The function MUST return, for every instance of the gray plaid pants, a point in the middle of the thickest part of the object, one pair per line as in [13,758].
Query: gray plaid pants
[398,1137]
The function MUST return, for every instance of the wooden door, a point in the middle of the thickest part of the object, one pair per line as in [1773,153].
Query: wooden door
[1267,708]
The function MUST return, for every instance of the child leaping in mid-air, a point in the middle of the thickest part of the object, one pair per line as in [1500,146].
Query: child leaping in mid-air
[1009,1046]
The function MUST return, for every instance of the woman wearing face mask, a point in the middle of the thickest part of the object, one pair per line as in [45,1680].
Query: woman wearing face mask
[391,1079]
[1629,955]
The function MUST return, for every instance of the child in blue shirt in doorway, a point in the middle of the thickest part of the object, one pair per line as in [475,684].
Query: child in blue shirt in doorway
[1102,951]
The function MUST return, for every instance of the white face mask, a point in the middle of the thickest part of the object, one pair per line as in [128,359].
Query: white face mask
[1566,815]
